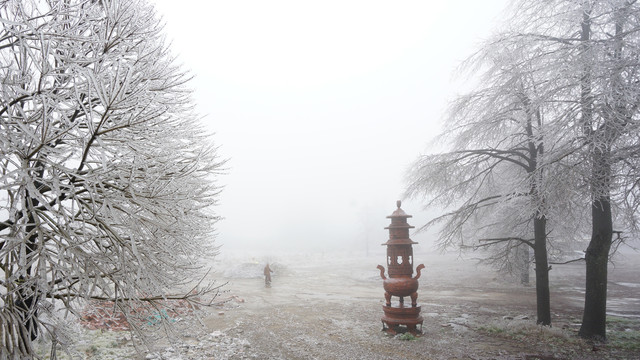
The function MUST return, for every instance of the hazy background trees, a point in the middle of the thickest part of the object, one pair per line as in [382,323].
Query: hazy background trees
[107,177]
[548,136]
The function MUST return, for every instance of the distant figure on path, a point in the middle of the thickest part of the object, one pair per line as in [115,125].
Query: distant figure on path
[267,275]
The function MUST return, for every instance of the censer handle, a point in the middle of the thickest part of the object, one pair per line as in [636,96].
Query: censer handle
[382,272]
[420,267]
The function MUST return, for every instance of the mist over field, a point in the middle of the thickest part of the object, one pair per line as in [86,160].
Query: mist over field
[231,179]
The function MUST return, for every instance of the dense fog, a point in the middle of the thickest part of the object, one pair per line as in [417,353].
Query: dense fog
[320,108]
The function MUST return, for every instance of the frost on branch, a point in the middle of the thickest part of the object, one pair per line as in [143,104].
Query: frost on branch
[108,179]
[544,150]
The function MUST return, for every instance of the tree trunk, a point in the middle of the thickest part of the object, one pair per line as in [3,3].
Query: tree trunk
[542,270]
[523,258]
[26,302]
[594,317]
[26,297]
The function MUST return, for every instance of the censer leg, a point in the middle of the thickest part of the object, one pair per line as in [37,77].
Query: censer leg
[412,329]
[414,299]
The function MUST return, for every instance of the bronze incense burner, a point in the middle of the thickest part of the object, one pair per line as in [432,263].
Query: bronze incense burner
[400,282]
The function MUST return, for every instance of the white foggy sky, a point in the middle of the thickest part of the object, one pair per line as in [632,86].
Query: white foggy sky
[320,107]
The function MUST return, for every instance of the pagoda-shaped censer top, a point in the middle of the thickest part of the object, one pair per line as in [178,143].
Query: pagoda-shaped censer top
[399,228]
[399,245]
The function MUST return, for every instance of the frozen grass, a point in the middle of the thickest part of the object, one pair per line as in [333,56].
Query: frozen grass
[557,342]
[91,344]
[520,329]
[623,333]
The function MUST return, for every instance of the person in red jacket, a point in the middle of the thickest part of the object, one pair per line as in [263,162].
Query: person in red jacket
[267,275]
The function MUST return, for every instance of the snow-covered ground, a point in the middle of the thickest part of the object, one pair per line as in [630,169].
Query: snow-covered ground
[328,306]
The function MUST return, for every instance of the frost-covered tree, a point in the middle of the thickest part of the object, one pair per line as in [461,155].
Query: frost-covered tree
[609,44]
[501,176]
[107,177]
[581,72]
[599,86]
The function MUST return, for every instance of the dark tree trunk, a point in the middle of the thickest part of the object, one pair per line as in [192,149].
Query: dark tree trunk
[536,149]
[26,302]
[26,299]
[594,317]
[524,260]
[542,270]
